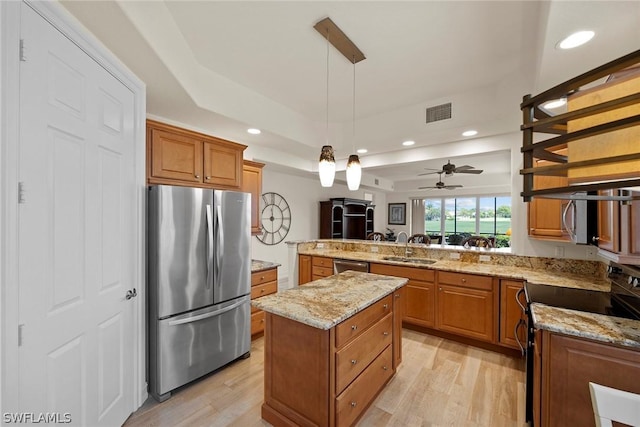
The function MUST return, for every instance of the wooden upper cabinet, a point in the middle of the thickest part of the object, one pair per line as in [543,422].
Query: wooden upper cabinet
[252,183]
[177,156]
[222,164]
[545,215]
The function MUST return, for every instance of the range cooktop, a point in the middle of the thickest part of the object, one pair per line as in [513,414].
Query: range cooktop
[576,299]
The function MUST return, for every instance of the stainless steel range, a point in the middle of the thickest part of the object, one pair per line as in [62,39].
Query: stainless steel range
[622,301]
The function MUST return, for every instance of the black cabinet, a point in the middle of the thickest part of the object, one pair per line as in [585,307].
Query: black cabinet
[346,219]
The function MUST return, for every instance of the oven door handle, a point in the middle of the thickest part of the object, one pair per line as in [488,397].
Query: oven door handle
[521,322]
[520,291]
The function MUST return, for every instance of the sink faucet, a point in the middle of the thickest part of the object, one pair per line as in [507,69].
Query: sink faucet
[407,251]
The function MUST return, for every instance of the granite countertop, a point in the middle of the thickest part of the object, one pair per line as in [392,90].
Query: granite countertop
[258,265]
[598,327]
[326,302]
[538,276]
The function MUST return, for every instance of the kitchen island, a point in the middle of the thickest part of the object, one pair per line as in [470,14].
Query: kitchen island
[330,347]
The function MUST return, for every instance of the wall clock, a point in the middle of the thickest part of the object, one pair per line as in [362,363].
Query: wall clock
[275,219]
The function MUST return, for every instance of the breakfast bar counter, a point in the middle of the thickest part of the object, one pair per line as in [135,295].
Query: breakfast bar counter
[330,347]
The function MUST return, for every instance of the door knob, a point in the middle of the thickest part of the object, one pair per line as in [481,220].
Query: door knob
[131,293]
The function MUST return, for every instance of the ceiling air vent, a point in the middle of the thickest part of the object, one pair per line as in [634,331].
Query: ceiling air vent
[439,112]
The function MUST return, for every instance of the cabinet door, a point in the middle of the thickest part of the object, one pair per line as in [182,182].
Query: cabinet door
[176,157]
[545,215]
[222,165]
[537,378]
[420,303]
[252,184]
[511,314]
[304,269]
[573,363]
[467,312]
[608,223]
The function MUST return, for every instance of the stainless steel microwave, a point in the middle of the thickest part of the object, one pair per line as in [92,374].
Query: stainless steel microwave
[580,220]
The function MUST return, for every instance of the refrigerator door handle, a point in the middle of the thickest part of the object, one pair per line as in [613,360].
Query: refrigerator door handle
[219,242]
[209,245]
[207,315]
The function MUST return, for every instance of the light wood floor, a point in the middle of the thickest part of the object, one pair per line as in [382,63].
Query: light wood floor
[439,383]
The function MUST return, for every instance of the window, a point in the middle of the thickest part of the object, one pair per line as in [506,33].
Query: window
[487,216]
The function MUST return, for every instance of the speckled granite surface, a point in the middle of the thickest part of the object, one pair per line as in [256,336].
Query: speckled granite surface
[546,271]
[258,265]
[597,327]
[326,302]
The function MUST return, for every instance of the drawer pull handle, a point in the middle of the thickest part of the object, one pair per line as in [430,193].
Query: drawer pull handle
[439,289]
[354,361]
[384,368]
[385,306]
[261,277]
[354,327]
[208,177]
[198,176]
[353,404]
[397,295]
[385,333]
[464,280]
[261,320]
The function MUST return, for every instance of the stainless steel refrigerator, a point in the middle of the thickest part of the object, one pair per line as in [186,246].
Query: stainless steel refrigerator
[199,282]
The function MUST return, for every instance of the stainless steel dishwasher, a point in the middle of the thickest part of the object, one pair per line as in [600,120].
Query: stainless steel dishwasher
[340,265]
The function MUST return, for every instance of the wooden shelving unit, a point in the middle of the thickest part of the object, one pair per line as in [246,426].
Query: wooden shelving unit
[344,218]
[537,120]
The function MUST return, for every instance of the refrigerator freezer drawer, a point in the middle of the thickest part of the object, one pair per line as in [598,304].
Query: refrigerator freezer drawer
[194,344]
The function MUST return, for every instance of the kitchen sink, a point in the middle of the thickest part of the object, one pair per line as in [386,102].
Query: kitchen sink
[409,259]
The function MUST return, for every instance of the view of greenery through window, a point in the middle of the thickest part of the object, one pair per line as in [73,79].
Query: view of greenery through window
[488,216]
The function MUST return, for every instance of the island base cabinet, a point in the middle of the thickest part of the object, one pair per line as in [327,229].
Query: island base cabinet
[318,377]
[569,364]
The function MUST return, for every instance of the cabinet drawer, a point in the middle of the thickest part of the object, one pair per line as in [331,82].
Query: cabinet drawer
[260,277]
[321,271]
[356,356]
[321,261]
[399,271]
[358,323]
[257,322]
[466,280]
[357,397]
[262,290]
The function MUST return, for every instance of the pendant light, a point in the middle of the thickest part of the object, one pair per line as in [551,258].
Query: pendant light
[327,162]
[354,170]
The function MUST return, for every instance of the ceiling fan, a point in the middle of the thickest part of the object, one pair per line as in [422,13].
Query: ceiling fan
[450,169]
[441,185]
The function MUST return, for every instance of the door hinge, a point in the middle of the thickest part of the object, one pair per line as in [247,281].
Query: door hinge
[20,328]
[21,198]
[23,55]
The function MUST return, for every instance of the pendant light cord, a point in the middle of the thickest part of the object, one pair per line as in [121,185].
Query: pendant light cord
[354,105]
[327,129]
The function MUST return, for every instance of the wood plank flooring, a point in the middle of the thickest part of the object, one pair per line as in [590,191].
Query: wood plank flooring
[439,383]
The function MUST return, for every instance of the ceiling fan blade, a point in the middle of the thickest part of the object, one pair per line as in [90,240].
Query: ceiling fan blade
[451,187]
[426,188]
[463,167]
[428,173]
[474,171]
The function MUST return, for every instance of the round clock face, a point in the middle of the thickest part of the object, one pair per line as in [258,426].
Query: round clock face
[275,218]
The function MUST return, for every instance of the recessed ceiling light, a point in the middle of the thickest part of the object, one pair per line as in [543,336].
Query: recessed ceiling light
[469,133]
[254,131]
[361,150]
[576,39]
[408,143]
[556,103]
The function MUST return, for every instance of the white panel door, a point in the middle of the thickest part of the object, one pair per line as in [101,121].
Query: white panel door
[75,232]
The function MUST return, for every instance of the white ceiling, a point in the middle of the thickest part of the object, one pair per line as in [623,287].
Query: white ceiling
[224,66]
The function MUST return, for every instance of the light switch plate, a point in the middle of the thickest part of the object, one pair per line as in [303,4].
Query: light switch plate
[485,258]
[374,249]
[320,246]
[454,255]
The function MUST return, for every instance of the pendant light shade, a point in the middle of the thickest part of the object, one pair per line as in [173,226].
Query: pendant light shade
[327,166]
[354,172]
